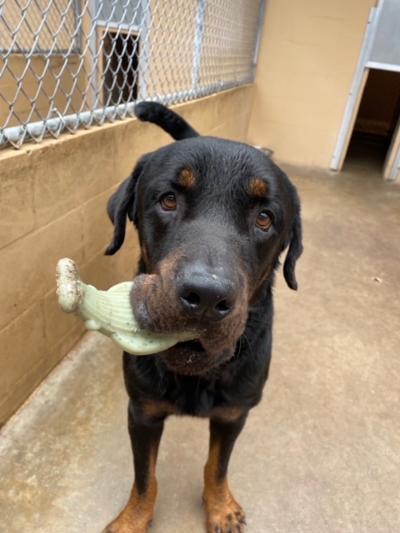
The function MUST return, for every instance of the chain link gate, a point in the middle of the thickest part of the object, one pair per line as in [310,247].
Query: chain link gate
[68,64]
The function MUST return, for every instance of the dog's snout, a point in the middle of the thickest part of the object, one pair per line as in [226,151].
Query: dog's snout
[206,295]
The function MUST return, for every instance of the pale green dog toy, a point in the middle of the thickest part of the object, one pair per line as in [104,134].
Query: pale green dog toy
[109,312]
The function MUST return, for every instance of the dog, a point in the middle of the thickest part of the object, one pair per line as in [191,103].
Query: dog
[213,216]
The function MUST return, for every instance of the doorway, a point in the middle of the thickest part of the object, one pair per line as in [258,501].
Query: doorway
[368,127]
[375,127]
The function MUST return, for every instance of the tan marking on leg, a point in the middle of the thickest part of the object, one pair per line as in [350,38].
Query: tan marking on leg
[224,513]
[138,512]
[226,414]
[158,409]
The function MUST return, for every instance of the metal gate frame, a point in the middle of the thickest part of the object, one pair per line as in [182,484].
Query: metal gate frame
[56,122]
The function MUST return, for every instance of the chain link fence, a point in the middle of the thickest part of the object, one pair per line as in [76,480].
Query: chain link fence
[68,64]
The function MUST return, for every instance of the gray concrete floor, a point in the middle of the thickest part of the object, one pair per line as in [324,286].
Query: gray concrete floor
[322,451]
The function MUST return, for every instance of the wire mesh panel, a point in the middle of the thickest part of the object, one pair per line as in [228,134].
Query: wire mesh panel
[66,64]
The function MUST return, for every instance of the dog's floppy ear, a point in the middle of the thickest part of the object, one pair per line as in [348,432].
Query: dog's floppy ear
[122,204]
[295,250]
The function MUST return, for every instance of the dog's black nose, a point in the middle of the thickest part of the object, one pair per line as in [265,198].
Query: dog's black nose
[205,294]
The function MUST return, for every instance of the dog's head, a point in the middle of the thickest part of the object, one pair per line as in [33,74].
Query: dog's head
[213,216]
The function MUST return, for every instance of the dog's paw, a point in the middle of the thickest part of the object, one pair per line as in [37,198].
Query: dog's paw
[124,528]
[127,524]
[228,517]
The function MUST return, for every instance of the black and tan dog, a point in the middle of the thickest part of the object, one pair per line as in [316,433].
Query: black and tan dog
[213,217]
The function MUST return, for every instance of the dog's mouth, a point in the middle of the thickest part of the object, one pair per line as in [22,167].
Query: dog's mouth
[187,357]
[155,308]
[191,358]
[191,347]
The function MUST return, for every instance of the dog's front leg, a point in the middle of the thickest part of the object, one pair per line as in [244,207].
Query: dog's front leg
[224,514]
[145,432]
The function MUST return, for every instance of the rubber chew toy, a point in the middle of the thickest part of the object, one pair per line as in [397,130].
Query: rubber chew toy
[109,312]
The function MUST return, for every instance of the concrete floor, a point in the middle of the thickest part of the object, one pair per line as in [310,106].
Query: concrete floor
[322,451]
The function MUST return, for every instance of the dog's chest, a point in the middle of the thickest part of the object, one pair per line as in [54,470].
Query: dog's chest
[195,396]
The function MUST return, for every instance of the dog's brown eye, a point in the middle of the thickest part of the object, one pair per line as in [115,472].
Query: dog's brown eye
[263,220]
[168,201]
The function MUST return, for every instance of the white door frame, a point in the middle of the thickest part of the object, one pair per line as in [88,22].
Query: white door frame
[357,87]
[391,167]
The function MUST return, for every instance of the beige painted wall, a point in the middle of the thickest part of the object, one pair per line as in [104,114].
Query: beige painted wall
[170,52]
[51,18]
[308,56]
[41,75]
[32,86]
[53,204]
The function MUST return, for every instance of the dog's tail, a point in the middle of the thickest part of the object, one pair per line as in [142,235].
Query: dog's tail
[167,119]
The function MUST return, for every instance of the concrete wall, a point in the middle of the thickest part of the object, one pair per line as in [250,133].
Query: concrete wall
[308,56]
[52,204]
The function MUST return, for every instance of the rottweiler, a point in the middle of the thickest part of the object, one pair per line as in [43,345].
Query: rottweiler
[213,216]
